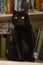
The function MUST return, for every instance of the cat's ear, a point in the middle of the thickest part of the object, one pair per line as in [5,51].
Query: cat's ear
[26,9]
[14,12]
[23,11]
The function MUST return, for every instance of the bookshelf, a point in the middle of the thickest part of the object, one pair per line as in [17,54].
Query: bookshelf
[36,19]
[4,17]
[33,16]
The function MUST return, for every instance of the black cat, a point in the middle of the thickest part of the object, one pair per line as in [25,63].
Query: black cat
[22,46]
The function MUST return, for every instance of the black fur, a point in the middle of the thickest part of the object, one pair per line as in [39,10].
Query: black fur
[22,46]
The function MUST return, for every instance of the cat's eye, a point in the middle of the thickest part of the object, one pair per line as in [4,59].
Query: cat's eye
[16,17]
[22,17]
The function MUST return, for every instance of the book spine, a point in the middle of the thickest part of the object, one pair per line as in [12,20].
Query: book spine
[37,39]
[35,4]
[8,42]
[3,46]
[1,7]
[39,44]
[41,5]
[41,51]
[9,6]
[38,4]
[32,1]
[5,5]
[16,4]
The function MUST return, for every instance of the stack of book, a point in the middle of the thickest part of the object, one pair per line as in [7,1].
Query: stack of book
[4,44]
[30,4]
[39,44]
[5,37]
[4,27]
[6,6]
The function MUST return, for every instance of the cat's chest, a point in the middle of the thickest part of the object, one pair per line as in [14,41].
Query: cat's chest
[20,27]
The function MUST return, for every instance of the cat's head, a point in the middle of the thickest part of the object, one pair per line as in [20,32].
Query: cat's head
[19,18]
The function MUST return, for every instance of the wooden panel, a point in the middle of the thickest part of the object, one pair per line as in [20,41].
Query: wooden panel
[36,17]
[5,17]
[36,24]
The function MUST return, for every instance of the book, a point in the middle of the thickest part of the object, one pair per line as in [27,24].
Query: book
[23,3]
[38,5]
[3,46]
[40,46]
[1,7]
[7,44]
[16,2]
[1,3]
[41,5]
[34,4]
[1,27]
[5,27]
[5,5]
[30,4]
[37,35]
[9,6]
[32,1]
[19,4]
[41,51]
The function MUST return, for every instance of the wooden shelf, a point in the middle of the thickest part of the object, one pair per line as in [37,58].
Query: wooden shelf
[36,16]
[36,13]
[33,16]
[5,17]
